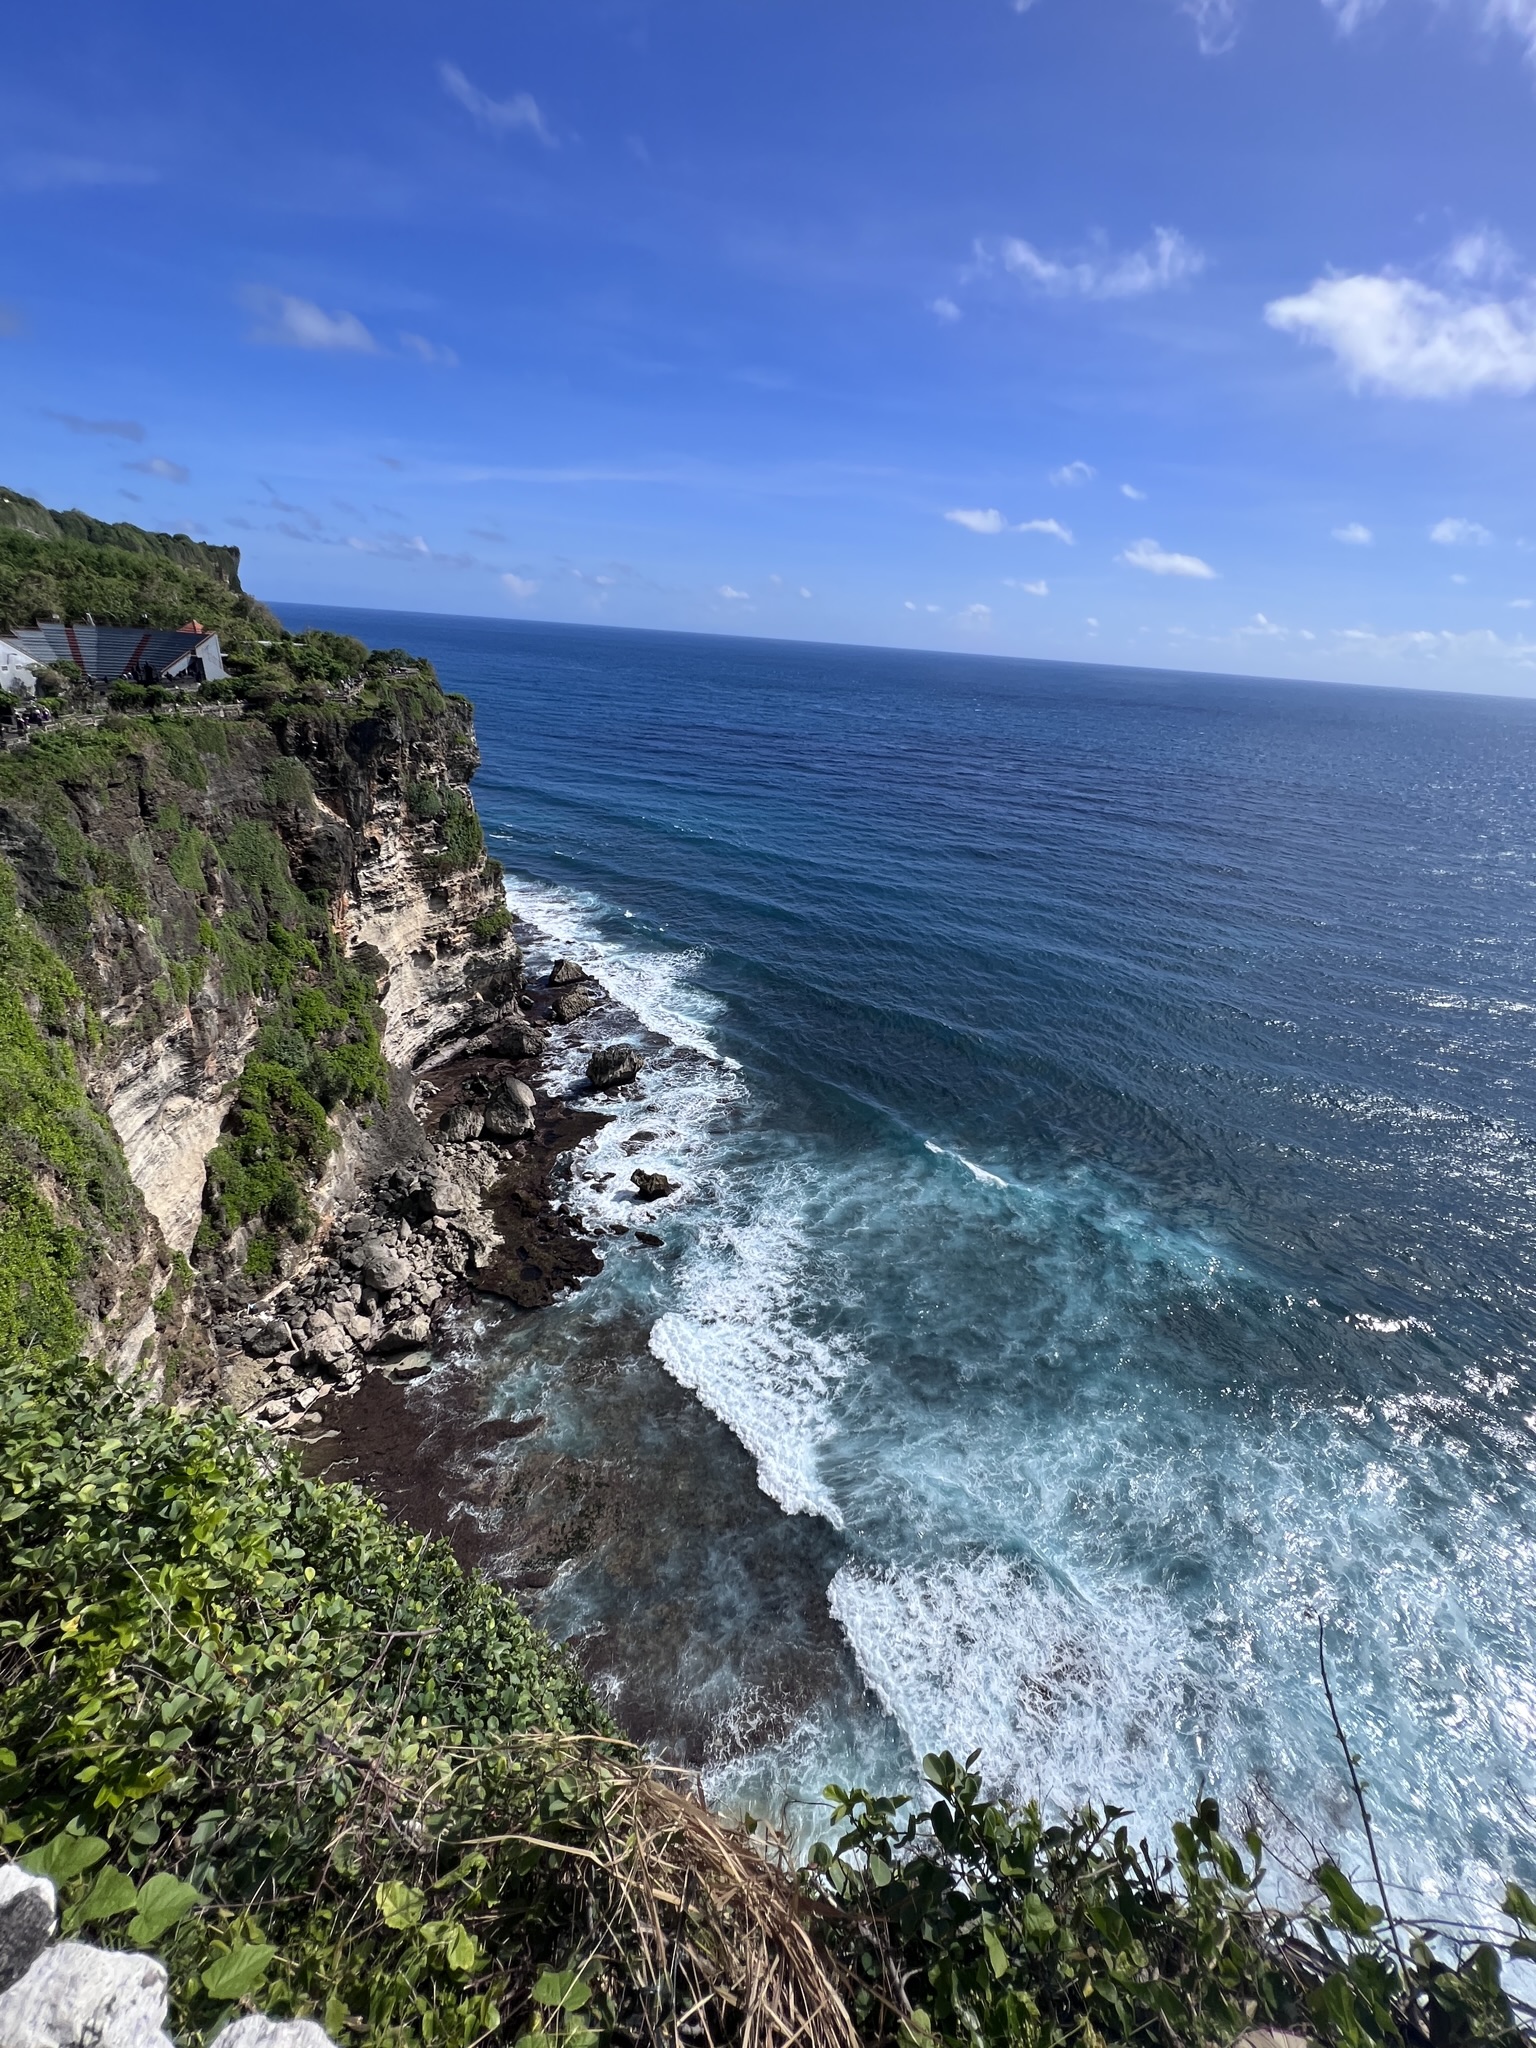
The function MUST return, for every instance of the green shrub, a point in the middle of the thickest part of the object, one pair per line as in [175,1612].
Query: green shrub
[490,926]
[972,1922]
[250,1722]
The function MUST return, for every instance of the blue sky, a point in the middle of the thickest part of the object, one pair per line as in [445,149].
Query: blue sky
[1199,335]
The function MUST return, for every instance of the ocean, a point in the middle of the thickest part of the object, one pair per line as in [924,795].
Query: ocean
[1103,1104]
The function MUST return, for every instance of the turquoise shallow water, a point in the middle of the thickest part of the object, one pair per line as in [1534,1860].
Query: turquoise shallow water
[1104,1109]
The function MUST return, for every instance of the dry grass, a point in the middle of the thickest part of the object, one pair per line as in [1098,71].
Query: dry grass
[699,1934]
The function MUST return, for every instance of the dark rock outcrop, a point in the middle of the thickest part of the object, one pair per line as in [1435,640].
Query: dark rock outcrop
[613,1066]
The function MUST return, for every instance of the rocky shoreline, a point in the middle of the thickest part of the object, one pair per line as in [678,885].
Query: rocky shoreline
[461,1184]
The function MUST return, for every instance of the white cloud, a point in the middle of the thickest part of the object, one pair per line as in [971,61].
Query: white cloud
[1072,473]
[725,590]
[503,116]
[1483,253]
[1041,589]
[429,351]
[1215,24]
[1166,260]
[1520,604]
[1460,533]
[168,472]
[946,309]
[1130,491]
[1354,535]
[1350,13]
[519,586]
[1480,643]
[977,521]
[1457,577]
[973,618]
[1146,554]
[803,591]
[1053,527]
[1397,335]
[286,322]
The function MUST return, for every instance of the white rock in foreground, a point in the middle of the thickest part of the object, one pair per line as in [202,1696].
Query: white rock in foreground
[75,1996]
[260,2033]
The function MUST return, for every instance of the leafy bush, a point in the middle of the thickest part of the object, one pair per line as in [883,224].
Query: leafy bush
[973,1922]
[490,926]
[249,1721]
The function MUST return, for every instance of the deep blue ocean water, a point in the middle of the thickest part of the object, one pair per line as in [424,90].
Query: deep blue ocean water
[1104,1106]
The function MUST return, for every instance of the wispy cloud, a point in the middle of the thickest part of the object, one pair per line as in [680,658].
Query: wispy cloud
[283,321]
[739,596]
[1168,259]
[159,465]
[1074,473]
[45,172]
[1399,335]
[1514,17]
[1040,589]
[944,309]
[1354,535]
[504,117]
[115,430]
[1130,491]
[1052,527]
[1216,23]
[1146,554]
[520,587]
[977,521]
[1460,533]
[1479,644]
[432,352]
[974,618]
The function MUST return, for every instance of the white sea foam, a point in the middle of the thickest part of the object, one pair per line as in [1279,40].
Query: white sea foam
[1067,1697]
[655,986]
[989,1180]
[736,1340]
[733,1335]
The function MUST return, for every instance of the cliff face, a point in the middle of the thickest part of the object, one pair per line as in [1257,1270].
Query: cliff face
[216,885]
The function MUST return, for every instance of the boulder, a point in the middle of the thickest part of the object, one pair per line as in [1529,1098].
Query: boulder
[650,1187]
[255,2032]
[570,1004]
[269,1338]
[383,1270]
[564,972]
[26,1921]
[463,1123]
[509,1110]
[75,1996]
[408,1335]
[613,1066]
[326,1347]
[514,1042]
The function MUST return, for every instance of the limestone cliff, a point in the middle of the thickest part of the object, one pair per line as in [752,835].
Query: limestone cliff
[263,913]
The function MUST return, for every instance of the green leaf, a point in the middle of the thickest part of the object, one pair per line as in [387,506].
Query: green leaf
[997,1955]
[64,1857]
[1350,1911]
[560,1991]
[237,1974]
[400,1906]
[1039,1920]
[461,1951]
[162,1902]
[1519,1905]
[113,1892]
